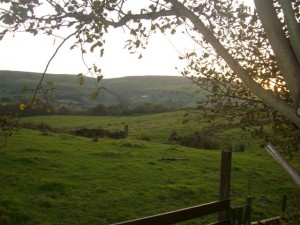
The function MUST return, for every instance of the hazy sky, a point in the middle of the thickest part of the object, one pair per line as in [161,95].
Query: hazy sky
[24,52]
[27,53]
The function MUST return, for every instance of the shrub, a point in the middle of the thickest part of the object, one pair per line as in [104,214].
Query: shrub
[96,133]
[196,140]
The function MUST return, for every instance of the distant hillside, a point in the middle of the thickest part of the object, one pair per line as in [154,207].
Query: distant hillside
[165,90]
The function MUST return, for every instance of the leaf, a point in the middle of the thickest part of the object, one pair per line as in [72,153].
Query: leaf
[73,46]
[99,78]
[58,8]
[70,8]
[101,52]
[89,40]
[205,55]
[191,54]
[22,106]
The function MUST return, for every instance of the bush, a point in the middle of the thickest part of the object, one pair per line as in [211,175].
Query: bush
[96,133]
[196,140]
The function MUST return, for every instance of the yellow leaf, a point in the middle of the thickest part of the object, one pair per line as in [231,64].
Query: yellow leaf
[22,106]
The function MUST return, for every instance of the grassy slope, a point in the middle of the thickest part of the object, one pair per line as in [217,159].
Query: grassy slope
[157,127]
[62,179]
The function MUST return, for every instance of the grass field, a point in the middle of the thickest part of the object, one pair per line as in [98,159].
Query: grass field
[57,178]
[157,127]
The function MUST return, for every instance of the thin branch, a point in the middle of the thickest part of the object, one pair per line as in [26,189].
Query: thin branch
[50,60]
[123,20]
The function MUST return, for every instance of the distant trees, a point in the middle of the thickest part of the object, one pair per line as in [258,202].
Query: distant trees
[99,110]
[13,109]
[248,58]
[123,110]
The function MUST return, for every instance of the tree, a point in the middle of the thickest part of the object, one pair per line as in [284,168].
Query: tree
[249,57]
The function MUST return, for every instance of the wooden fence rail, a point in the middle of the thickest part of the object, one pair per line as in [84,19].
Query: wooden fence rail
[226,214]
[182,214]
[222,206]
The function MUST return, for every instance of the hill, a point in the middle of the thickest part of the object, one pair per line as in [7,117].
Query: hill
[129,91]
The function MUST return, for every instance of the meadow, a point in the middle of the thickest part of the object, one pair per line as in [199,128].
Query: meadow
[58,178]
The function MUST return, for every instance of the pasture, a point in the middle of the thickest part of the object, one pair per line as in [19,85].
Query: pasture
[58,178]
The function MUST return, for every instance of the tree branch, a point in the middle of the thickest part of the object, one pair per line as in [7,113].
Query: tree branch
[125,19]
[50,60]
[273,101]
[281,46]
[293,26]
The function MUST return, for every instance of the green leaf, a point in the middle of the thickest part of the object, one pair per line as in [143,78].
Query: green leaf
[205,55]
[70,8]
[191,54]
[99,78]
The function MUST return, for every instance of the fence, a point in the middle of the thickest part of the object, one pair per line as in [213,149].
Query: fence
[242,215]
[184,214]
[226,214]
[222,206]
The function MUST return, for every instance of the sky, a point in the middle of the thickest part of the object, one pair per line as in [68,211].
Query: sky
[25,52]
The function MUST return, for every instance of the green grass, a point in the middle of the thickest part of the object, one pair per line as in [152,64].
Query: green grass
[56,178]
[158,127]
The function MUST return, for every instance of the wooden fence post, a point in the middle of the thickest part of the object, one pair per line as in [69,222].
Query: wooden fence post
[247,215]
[283,203]
[225,176]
